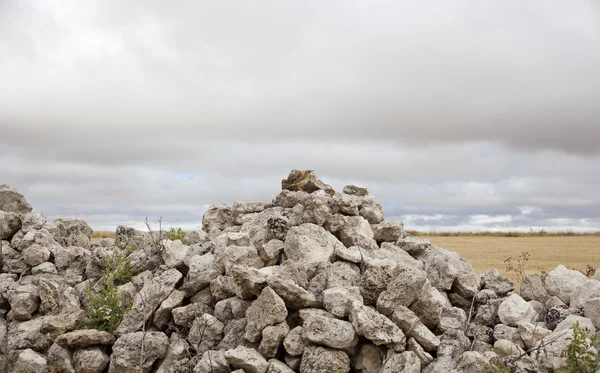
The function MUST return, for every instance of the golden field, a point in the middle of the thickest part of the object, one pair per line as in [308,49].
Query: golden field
[490,250]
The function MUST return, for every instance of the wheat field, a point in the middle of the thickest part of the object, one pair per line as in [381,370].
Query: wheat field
[490,250]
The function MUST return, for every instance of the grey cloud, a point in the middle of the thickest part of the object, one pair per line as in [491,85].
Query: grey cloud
[524,74]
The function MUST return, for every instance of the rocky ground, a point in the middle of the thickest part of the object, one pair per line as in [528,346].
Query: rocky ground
[311,283]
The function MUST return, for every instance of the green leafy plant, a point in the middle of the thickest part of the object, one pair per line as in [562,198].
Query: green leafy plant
[176,234]
[107,305]
[581,353]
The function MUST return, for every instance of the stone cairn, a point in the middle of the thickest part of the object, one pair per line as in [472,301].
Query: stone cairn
[313,282]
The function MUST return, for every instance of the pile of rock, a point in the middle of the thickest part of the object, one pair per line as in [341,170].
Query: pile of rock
[307,283]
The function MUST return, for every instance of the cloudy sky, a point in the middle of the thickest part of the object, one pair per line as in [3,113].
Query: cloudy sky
[458,115]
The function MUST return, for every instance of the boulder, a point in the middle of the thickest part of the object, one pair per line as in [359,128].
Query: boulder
[13,201]
[564,283]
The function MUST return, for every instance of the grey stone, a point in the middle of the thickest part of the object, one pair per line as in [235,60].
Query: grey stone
[90,360]
[413,245]
[533,288]
[248,359]
[369,359]
[267,309]
[374,326]
[338,300]
[514,310]
[403,290]
[310,244]
[276,366]
[413,327]
[60,359]
[162,315]
[201,272]
[206,333]
[388,231]
[564,282]
[330,332]
[147,300]
[321,359]
[405,362]
[504,347]
[212,362]
[85,338]
[32,221]
[350,254]
[13,201]
[357,232]
[24,301]
[30,361]
[218,216]
[126,351]
[272,337]
[493,281]
[10,223]
[293,342]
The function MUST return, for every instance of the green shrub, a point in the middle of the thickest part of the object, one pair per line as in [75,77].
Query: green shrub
[581,353]
[175,234]
[107,306]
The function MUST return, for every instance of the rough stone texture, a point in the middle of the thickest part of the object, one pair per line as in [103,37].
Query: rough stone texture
[493,281]
[163,314]
[452,318]
[184,316]
[218,216]
[272,337]
[357,232]
[24,301]
[176,353]
[267,309]
[405,362]
[30,361]
[248,359]
[532,333]
[174,253]
[147,300]
[294,342]
[429,306]
[321,359]
[85,338]
[338,300]
[563,282]
[310,244]
[90,360]
[60,359]
[351,254]
[590,289]
[125,355]
[504,347]
[10,223]
[212,362]
[276,366]
[514,310]
[374,326]
[592,311]
[206,333]
[13,201]
[413,245]
[403,290]
[412,327]
[294,296]
[533,288]
[416,348]
[330,332]
[388,231]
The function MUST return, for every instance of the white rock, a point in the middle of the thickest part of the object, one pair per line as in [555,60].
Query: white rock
[514,310]
[563,282]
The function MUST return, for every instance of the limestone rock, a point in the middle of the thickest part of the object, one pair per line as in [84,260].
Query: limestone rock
[357,232]
[13,201]
[272,336]
[405,362]
[514,310]
[218,216]
[276,366]
[493,281]
[90,360]
[163,314]
[532,333]
[504,347]
[452,318]
[85,338]
[30,361]
[388,231]
[330,332]
[206,333]
[147,300]
[248,359]
[125,355]
[321,359]
[311,244]
[294,342]
[533,288]
[267,309]
[564,282]
[403,290]
[369,359]
[10,223]
[212,362]
[60,359]
[338,300]
[374,326]
[413,245]
[413,327]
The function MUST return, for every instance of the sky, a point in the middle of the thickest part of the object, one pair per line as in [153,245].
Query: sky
[461,115]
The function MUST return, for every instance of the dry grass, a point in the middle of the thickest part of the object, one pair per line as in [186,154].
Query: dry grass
[97,236]
[487,250]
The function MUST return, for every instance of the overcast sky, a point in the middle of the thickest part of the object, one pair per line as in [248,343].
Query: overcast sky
[457,115]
